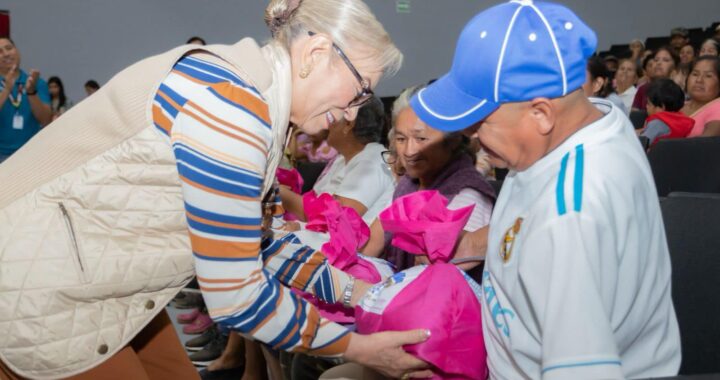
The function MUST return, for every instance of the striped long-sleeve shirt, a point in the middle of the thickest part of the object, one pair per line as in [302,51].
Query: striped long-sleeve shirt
[220,131]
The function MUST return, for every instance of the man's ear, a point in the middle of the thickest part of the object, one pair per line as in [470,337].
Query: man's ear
[315,52]
[543,112]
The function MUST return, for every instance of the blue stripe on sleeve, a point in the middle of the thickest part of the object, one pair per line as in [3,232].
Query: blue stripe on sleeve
[578,179]
[178,144]
[240,107]
[222,218]
[177,98]
[582,364]
[218,71]
[164,104]
[560,188]
[208,258]
[215,183]
[202,163]
[223,231]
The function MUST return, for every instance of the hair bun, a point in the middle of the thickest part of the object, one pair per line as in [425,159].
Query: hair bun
[278,12]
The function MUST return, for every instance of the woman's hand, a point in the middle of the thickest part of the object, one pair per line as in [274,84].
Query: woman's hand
[383,352]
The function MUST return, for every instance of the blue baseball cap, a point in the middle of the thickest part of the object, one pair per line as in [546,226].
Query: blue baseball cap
[512,52]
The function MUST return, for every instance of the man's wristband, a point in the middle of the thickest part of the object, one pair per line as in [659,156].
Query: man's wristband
[32,93]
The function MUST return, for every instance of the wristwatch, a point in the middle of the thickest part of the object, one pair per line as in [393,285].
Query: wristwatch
[347,293]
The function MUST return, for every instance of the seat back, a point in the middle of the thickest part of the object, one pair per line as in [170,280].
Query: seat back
[689,165]
[692,225]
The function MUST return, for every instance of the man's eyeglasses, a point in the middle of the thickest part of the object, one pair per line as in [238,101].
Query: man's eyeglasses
[366,93]
[389,157]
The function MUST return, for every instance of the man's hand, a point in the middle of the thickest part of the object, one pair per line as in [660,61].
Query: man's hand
[471,244]
[383,352]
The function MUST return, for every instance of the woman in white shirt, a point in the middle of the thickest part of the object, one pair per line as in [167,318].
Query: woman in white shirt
[625,80]
[357,177]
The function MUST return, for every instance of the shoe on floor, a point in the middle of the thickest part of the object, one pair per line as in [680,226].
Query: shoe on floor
[198,326]
[188,317]
[222,374]
[179,296]
[190,301]
[210,352]
[197,343]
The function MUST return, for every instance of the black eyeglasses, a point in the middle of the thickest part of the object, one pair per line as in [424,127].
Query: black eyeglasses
[366,93]
[389,157]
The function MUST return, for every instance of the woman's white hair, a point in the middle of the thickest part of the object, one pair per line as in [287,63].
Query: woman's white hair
[348,22]
[403,101]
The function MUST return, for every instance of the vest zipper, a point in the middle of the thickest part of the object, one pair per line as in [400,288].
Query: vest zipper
[73,239]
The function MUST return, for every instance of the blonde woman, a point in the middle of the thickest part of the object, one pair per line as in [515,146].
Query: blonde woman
[186,141]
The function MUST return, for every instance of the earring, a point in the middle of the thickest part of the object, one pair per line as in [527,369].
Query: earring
[304,72]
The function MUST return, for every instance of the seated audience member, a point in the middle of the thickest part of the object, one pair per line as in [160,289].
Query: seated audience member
[357,177]
[704,89]
[599,83]
[647,66]
[434,160]
[577,275]
[24,101]
[59,103]
[679,75]
[679,37]
[390,156]
[687,54]
[665,62]
[625,80]
[637,48]
[710,46]
[196,40]
[91,86]
[665,121]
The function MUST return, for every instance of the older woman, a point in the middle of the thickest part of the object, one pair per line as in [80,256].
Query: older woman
[710,46]
[665,60]
[435,160]
[703,87]
[357,178]
[187,141]
[625,80]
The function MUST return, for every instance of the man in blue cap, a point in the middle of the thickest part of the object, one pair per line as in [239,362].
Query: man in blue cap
[577,277]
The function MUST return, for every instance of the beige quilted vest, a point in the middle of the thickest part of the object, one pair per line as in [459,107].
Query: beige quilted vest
[93,238]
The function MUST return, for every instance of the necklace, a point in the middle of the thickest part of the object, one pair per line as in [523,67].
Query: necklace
[16,101]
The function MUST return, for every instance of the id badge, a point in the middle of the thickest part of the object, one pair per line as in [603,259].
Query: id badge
[18,121]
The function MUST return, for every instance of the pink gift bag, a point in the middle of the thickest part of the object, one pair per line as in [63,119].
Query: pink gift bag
[421,223]
[348,232]
[292,179]
[439,297]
